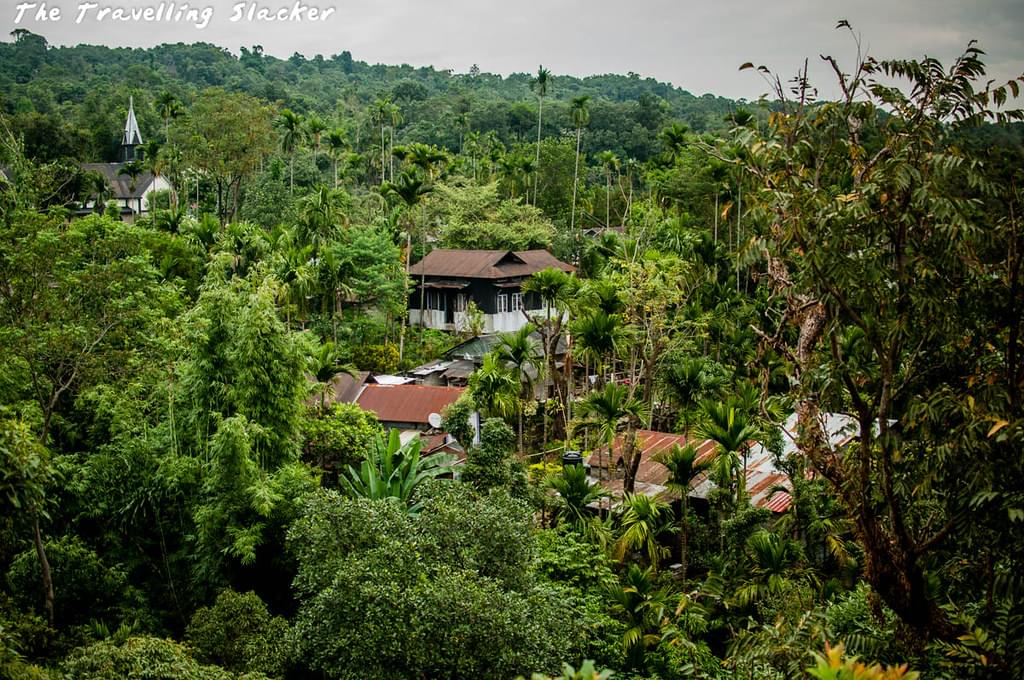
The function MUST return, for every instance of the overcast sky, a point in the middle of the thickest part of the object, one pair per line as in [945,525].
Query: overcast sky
[695,45]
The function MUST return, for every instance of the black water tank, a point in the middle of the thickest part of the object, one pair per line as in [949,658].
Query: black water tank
[572,458]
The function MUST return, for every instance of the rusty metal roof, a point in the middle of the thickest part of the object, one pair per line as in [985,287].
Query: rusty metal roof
[486,264]
[406,403]
[767,486]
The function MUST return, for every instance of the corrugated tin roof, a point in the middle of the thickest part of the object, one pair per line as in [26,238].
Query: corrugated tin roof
[767,486]
[345,388]
[406,403]
[486,264]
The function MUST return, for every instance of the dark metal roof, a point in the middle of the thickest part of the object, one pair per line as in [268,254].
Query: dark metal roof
[120,184]
[486,264]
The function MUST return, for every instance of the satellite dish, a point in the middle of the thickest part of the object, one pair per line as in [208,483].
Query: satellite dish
[434,419]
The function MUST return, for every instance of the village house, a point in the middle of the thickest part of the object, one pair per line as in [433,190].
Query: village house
[767,486]
[130,185]
[446,281]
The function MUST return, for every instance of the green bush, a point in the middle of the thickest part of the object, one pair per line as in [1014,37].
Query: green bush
[239,634]
[338,438]
[375,358]
[86,589]
[140,658]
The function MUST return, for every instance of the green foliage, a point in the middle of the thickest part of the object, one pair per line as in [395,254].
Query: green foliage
[382,591]
[93,319]
[392,471]
[139,658]
[238,634]
[455,420]
[86,588]
[587,671]
[575,493]
[25,469]
[564,557]
[473,217]
[832,665]
[338,437]
[376,358]
[492,465]
[243,361]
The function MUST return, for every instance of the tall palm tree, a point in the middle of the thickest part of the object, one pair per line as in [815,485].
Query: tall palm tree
[610,163]
[423,156]
[337,146]
[410,189]
[683,467]
[576,492]
[394,117]
[540,86]
[168,107]
[98,190]
[380,112]
[321,216]
[290,125]
[133,169]
[580,117]
[731,430]
[643,520]
[521,354]
[600,337]
[673,140]
[494,387]
[771,567]
[315,128]
[555,288]
[644,609]
[615,410]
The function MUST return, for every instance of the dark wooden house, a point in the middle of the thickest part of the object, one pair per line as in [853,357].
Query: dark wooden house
[446,281]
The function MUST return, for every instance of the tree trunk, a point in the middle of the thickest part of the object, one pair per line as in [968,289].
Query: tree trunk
[575,183]
[684,534]
[536,164]
[520,409]
[44,565]
[631,458]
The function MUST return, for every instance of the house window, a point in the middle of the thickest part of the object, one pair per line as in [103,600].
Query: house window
[461,302]
[517,302]
[502,303]
[435,300]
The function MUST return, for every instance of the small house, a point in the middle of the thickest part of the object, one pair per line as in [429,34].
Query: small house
[446,281]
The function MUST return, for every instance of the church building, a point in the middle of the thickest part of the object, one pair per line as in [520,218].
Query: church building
[130,184]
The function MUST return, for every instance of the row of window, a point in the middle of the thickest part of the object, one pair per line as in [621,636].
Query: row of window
[506,302]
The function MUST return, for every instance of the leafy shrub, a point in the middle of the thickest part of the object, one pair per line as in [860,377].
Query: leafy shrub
[140,658]
[448,593]
[834,665]
[86,588]
[239,634]
[338,438]
[375,358]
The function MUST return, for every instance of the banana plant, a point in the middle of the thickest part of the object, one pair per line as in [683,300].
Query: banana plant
[394,470]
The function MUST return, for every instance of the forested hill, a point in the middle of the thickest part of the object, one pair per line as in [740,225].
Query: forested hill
[73,97]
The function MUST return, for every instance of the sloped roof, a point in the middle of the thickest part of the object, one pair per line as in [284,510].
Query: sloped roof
[344,388]
[132,135]
[486,264]
[406,403]
[121,184]
[766,485]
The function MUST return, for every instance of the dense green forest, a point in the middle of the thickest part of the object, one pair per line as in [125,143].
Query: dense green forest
[181,500]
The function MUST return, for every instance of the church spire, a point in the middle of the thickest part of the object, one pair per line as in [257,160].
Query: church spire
[132,137]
